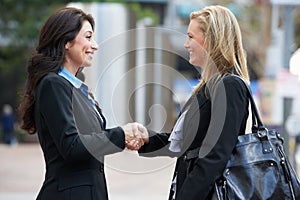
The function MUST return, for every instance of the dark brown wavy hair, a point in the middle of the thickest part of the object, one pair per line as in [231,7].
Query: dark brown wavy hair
[60,28]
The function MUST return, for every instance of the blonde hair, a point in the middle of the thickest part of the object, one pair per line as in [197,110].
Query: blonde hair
[222,42]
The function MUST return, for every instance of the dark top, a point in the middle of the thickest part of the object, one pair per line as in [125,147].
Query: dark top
[73,141]
[215,117]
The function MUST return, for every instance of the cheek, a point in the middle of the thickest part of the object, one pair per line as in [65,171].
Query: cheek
[82,44]
[198,49]
[199,54]
[85,44]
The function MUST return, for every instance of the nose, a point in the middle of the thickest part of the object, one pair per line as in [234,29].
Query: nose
[186,44]
[94,45]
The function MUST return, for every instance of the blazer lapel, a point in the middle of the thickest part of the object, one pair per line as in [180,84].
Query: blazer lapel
[196,101]
[193,116]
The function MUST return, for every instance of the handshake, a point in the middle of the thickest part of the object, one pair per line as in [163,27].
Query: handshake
[136,135]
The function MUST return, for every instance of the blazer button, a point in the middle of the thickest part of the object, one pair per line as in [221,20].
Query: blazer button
[185,157]
[101,169]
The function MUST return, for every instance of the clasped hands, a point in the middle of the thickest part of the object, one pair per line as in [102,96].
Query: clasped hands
[136,135]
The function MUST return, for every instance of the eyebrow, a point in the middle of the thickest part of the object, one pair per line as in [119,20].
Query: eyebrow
[88,32]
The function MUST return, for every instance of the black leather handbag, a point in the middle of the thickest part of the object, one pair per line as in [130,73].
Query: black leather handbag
[258,168]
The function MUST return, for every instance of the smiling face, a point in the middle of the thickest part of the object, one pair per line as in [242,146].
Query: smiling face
[195,44]
[80,51]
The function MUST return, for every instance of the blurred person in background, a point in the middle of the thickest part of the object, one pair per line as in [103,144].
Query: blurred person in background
[58,106]
[207,129]
[8,125]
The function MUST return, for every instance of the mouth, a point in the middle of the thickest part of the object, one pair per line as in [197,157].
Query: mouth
[90,54]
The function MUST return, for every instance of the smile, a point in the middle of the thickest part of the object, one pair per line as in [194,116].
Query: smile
[89,54]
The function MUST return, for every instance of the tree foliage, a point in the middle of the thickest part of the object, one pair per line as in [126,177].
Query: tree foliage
[20,22]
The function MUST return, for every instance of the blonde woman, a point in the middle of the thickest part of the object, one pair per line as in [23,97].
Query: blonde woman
[210,122]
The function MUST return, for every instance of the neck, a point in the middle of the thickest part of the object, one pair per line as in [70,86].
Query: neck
[72,69]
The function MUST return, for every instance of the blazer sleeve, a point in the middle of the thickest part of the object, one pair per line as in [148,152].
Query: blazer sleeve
[55,106]
[159,142]
[229,109]
[158,145]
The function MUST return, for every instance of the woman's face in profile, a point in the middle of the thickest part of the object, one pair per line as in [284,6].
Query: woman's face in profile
[80,52]
[195,43]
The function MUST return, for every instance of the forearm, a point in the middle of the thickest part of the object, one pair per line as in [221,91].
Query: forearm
[158,145]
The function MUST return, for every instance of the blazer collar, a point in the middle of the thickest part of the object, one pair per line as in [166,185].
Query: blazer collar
[70,77]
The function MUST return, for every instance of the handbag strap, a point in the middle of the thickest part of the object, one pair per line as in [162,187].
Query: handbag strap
[256,120]
[258,128]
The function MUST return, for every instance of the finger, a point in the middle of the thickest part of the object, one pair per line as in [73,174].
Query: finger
[141,142]
[133,145]
[143,130]
[129,133]
[135,131]
[128,138]
[129,146]
[144,133]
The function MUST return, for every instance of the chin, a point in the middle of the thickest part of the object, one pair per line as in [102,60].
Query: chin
[196,64]
[192,62]
[87,64]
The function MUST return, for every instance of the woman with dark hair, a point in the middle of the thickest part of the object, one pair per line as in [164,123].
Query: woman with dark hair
[68,121]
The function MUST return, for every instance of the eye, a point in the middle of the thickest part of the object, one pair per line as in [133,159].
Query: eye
[89,37]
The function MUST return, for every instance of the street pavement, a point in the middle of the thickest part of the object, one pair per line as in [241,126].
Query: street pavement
[128,176]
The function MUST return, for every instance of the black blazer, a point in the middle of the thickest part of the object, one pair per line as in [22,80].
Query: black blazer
[74,142]
[215,117]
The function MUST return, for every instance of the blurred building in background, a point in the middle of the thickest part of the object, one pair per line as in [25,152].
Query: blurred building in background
[139,61]
[142,60]
[141,70]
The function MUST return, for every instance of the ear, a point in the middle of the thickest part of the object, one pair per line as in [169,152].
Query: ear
[67,46]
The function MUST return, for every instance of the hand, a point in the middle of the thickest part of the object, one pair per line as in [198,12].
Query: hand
[143,133]
[133,140]
[135,135]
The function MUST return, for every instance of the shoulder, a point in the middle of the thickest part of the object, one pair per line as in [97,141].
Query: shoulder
[234,83]
[54,84]
[233,79]
[53,79]
[231,86]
